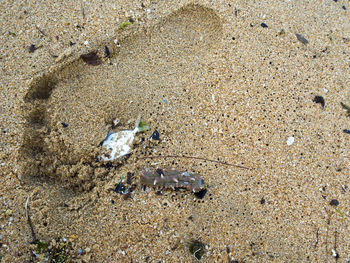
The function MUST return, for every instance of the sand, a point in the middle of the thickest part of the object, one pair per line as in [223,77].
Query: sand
[224,81]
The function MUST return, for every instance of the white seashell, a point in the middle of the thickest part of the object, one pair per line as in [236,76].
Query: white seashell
[118,144]
[290,140]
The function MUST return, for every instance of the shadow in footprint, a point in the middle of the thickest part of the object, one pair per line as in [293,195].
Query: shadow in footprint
[161,60]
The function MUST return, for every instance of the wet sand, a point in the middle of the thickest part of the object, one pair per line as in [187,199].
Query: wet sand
[229,83]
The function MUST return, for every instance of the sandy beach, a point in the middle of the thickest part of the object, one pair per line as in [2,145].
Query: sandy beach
[251,96]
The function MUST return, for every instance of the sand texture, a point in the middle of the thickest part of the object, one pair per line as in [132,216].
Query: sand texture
[251,89]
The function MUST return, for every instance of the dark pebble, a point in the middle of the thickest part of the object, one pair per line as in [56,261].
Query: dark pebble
[71,43]
[64,125]
[334,202]
[107,52]
[344,7]
[91,58]
[200,194]
[120,188]
[346,131]
[109,165]
[32,48]
[319,99]
[155,135]
[262,201]
[264,25]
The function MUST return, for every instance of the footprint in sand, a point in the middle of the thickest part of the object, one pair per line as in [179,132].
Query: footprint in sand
[68,109]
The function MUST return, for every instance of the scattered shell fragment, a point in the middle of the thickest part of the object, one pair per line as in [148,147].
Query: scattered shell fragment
[290,140]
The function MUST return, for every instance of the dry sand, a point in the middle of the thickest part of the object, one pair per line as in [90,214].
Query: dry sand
[216,83]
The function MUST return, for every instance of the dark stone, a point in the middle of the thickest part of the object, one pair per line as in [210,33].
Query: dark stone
[71,43]
[120,188]
[346,131]
[262,201]
[264,25]
[334,202]
[155,135]
[319,99]
[64,125]
[302,39]
[200,194]
[32,48]
[107,52]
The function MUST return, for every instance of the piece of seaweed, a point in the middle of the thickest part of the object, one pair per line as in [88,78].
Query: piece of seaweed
[171,178]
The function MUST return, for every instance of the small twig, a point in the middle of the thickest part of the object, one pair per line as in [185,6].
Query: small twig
[26,207]
[42,32]
[82,9]
[195,158]
[317,233]
[335,246]
[328,223]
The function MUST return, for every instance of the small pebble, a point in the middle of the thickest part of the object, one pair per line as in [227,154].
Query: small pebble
[262,201]
[346,131]
[290,141]
[325,90]
[319,99]
[264,25]
[80,251]
[32,48]
[86,42]
[155,135]
[107,52]
[302,39]
[200,194]
[64,125]
[334,202]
